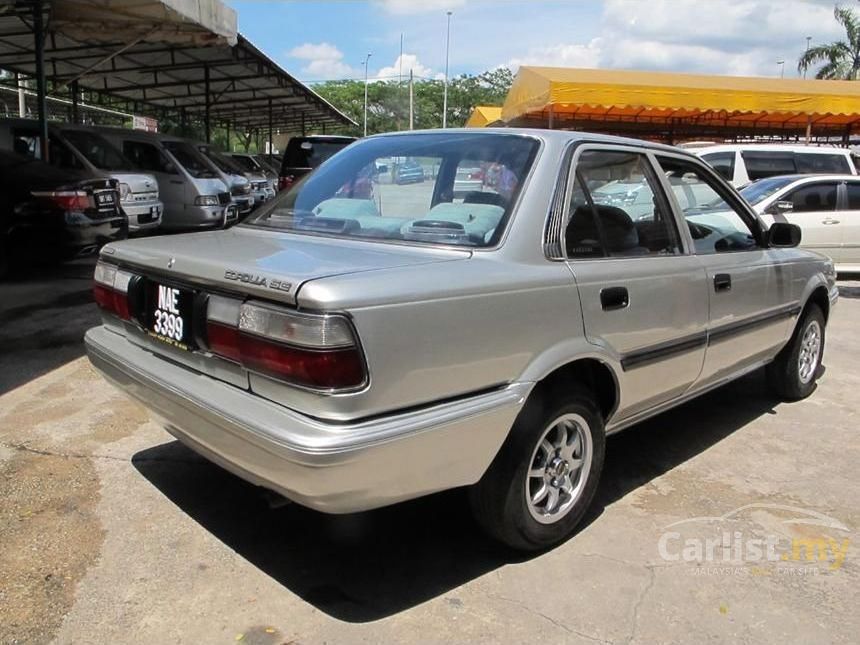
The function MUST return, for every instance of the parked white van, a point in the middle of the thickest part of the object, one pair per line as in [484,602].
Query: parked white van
[744,163]
[194,194]
[80,149]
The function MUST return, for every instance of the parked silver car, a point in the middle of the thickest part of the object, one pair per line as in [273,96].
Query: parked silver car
[356,344]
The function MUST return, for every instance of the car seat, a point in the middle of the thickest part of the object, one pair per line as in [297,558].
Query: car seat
[478,197]
[583,240]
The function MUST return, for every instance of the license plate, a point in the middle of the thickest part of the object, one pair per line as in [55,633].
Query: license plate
[170,315]
[104,198]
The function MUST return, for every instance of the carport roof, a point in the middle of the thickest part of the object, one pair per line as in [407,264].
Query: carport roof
[685,100]
[163,65]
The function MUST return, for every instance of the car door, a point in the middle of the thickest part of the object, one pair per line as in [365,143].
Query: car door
[748,284]
[643,295]
[848,215]
[812,206]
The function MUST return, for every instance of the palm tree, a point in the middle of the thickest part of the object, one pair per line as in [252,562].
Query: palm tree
[841,58]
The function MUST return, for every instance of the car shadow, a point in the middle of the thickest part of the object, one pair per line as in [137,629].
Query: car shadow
[367,566]
[44,312]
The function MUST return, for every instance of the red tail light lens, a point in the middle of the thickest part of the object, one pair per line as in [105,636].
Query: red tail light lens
[68,200]
[285,182]
[315,351]
[110,289]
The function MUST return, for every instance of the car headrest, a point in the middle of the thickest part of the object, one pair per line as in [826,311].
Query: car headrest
[479,197]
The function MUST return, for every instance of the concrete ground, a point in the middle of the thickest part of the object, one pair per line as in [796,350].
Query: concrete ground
[112,531]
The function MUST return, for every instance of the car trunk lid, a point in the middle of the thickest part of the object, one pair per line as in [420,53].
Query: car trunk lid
[263,263]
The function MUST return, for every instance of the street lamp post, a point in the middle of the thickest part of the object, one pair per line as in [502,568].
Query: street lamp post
[445,93]
[366,60]
[781,64]
[808,39]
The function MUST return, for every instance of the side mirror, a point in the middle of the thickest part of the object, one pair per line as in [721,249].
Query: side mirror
[781,207]
[170,169]
[783,235]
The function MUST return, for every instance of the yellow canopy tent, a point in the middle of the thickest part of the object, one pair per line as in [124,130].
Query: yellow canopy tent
[484,115]
[612,100]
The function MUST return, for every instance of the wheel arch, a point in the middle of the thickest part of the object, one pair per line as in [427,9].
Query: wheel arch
[593,373]
[819,296]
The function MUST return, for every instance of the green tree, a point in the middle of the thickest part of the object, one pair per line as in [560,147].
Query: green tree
[388,102]
[841,58]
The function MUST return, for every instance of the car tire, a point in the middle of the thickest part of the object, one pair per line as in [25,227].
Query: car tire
[4,256]
[531,497]
[793,373]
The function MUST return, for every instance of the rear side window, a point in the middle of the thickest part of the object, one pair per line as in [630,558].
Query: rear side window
[617,209]
[813,198]
[723,163]
[147,157]
[768,164]
[822,163]
[853,196]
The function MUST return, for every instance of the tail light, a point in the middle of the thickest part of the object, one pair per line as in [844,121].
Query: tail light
[68,200]
[110,289]
[285,182]
[310,350]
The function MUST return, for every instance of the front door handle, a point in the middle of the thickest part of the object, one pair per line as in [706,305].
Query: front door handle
[614,298]
[722,282]
[829,221]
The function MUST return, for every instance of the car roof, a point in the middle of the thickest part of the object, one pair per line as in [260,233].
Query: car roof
[814,177]
[546,135]
[771,147]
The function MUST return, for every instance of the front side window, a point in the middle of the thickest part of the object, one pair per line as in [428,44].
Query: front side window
[813,198]
[715,224]
[723,163]
[147,157]
[407,188]
[617,209]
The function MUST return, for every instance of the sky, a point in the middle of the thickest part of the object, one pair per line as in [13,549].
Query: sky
[329,39]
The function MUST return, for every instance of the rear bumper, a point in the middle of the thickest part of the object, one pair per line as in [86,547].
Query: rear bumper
[331,467]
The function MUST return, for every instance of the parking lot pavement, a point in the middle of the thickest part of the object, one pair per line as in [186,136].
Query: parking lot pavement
[112,530]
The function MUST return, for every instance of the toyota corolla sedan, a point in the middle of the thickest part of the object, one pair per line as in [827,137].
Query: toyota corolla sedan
[351,349]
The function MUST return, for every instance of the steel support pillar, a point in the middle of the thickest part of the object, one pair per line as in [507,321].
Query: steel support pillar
[75,92]
[271,146]
[206,122]
[41,101]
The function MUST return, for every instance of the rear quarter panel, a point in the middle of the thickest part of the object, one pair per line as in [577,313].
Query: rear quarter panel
[433,332]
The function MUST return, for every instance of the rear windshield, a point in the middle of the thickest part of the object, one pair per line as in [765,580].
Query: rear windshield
[190,159]
[310,153]
[97,150]
[447,188]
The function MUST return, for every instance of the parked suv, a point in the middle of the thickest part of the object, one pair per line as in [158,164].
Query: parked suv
[351,349]
[743,163]
[82,150]
[303,154]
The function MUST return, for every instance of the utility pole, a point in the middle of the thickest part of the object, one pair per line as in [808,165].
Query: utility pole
[411,102]
[366,59]
[445,94]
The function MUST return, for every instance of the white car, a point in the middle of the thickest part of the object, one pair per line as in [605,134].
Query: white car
[825,207]
[743,163]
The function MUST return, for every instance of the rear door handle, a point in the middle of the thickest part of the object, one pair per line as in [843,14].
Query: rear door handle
[722,282]
[830,221]
[614,298]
